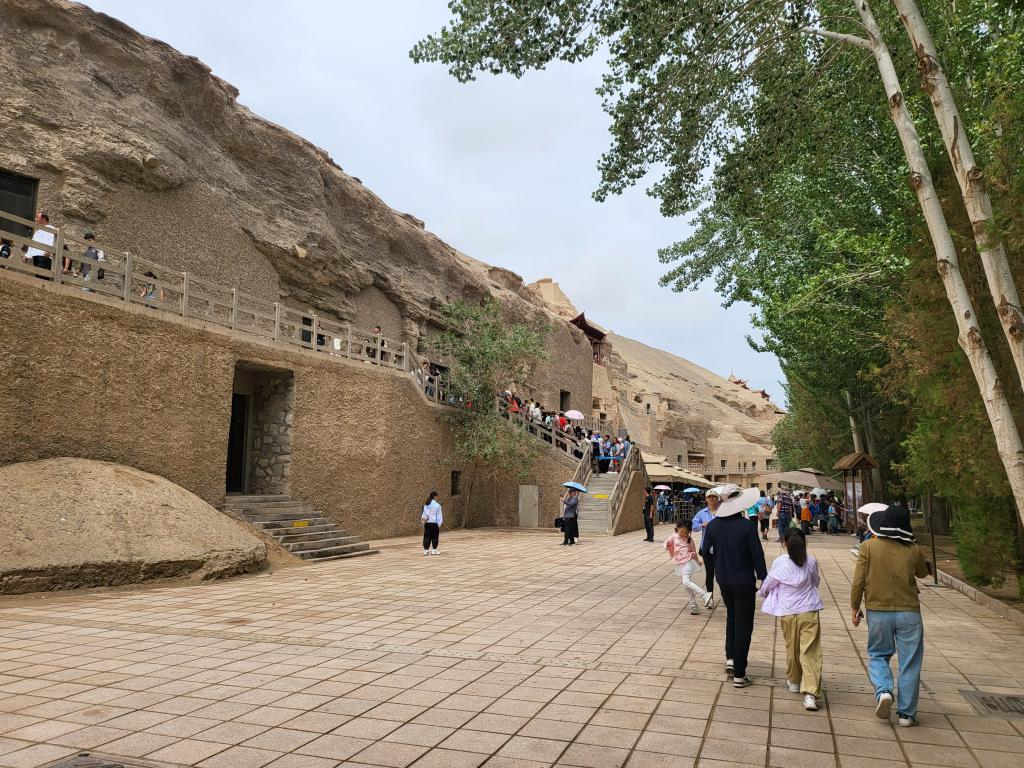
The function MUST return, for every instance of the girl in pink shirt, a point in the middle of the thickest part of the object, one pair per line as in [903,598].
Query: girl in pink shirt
[681,549]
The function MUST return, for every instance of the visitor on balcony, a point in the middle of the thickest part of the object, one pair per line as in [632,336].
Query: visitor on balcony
[91,254]
[41,259]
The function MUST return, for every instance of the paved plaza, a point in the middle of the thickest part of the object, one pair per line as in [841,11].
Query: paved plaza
[506,651]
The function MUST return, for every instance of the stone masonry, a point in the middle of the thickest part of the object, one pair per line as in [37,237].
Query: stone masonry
[271,453]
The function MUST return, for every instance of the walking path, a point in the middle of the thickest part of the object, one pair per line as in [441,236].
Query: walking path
[506,651]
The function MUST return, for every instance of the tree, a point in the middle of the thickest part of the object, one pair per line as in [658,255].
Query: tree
[684,79]
[485,355]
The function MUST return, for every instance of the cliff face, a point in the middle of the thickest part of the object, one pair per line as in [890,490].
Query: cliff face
[671,405]
[144,146]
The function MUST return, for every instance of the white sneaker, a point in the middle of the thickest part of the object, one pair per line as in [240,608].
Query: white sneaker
[810,702]
[426,552]
[729,667]
[434,552]
[907,721]
[884,705]
[793,687]
[709,601]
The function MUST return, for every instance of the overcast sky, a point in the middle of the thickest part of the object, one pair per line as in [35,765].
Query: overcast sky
[502,168]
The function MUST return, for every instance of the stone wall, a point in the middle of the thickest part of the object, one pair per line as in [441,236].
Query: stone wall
[96,379]
[271,440]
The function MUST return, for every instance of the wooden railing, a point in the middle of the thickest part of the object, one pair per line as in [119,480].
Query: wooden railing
[553,437]
[582,474]
[126,277]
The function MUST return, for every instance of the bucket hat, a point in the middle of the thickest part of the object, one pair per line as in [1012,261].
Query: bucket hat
[889,521]
[734,499]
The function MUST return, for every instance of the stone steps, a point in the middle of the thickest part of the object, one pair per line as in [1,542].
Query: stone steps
[595,514]
[297,527]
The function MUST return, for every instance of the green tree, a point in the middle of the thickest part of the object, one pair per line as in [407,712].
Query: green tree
[485,355]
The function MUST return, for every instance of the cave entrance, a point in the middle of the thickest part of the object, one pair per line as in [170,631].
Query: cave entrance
[259,452]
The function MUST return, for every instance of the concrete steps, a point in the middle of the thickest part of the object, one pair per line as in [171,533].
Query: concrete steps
[595,517]
[298,528]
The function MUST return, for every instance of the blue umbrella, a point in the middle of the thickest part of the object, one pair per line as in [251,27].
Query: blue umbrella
[575,486]
[691,490]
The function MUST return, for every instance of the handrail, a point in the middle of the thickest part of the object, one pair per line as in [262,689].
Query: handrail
[554,437]
[582,474]
[132,279]
[632,463]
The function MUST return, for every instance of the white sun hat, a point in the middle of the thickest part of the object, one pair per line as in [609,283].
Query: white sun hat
[734,499]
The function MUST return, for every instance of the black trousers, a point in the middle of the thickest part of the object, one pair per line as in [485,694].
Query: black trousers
[431,534]
[709,570]
[570,530]
[739,623]
[649,527]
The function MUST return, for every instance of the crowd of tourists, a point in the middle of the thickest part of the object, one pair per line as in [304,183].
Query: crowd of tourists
[884,584]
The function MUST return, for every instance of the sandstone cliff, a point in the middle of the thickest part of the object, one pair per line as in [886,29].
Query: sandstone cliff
[144,146]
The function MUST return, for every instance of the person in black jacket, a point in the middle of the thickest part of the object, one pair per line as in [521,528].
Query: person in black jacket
[739,562]
[649,514]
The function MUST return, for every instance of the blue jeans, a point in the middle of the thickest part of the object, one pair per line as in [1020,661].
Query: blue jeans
[902,633]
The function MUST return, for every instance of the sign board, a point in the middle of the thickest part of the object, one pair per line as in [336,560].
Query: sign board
[300,523]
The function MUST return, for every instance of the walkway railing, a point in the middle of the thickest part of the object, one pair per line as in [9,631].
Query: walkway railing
[554,437]
[126,277]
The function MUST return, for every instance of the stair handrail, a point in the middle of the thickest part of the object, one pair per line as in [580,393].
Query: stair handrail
[582,474]
[632,463]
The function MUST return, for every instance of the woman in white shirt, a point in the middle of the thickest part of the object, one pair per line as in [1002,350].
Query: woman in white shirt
[432,520]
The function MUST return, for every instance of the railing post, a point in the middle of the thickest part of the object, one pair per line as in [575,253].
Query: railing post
[57,265]
[234,307]
[380,349]
[313,335]
[405,356]
[184,294]
[348,341]
[277,320]
[128,269]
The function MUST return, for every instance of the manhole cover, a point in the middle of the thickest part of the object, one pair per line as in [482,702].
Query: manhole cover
[1004,705]
[97,760]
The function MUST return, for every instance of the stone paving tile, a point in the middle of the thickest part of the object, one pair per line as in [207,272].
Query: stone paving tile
[532,657]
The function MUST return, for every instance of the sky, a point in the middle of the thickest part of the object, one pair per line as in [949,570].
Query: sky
[502,169]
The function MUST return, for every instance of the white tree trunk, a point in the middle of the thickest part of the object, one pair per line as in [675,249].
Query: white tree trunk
[971,179]
[1007,437]
[858,445]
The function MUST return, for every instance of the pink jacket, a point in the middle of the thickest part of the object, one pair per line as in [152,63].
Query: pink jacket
[791,588]
[680,551]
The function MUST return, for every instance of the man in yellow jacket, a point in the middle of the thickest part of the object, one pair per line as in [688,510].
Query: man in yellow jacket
[888,566]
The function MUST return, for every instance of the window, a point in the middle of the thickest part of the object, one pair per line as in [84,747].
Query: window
[648,406]
[17,196]
[753,466]
[679,458]
[456,483]
[564,403]
[744,466]
[723,464]
[769,463]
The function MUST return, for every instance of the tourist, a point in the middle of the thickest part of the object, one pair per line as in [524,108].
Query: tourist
[5,249]
[605,453]
[805,514]
[888,565]
[791,592]
[784,511]
[662,506]
[764,512]
[738,563]
[649,514]
[700,522]
[681,549]
[615,451]
[432,520]
[570,517]
[91,253]
[833,517]
[41,259]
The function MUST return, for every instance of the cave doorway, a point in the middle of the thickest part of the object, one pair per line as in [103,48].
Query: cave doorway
[259,454]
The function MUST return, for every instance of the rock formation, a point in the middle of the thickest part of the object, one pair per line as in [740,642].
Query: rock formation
[673,406]
[73,523]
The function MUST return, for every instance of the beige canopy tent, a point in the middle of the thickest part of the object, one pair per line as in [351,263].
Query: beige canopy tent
[808,478]
[659,470]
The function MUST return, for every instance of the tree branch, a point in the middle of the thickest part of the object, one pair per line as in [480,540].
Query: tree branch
[860,42]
